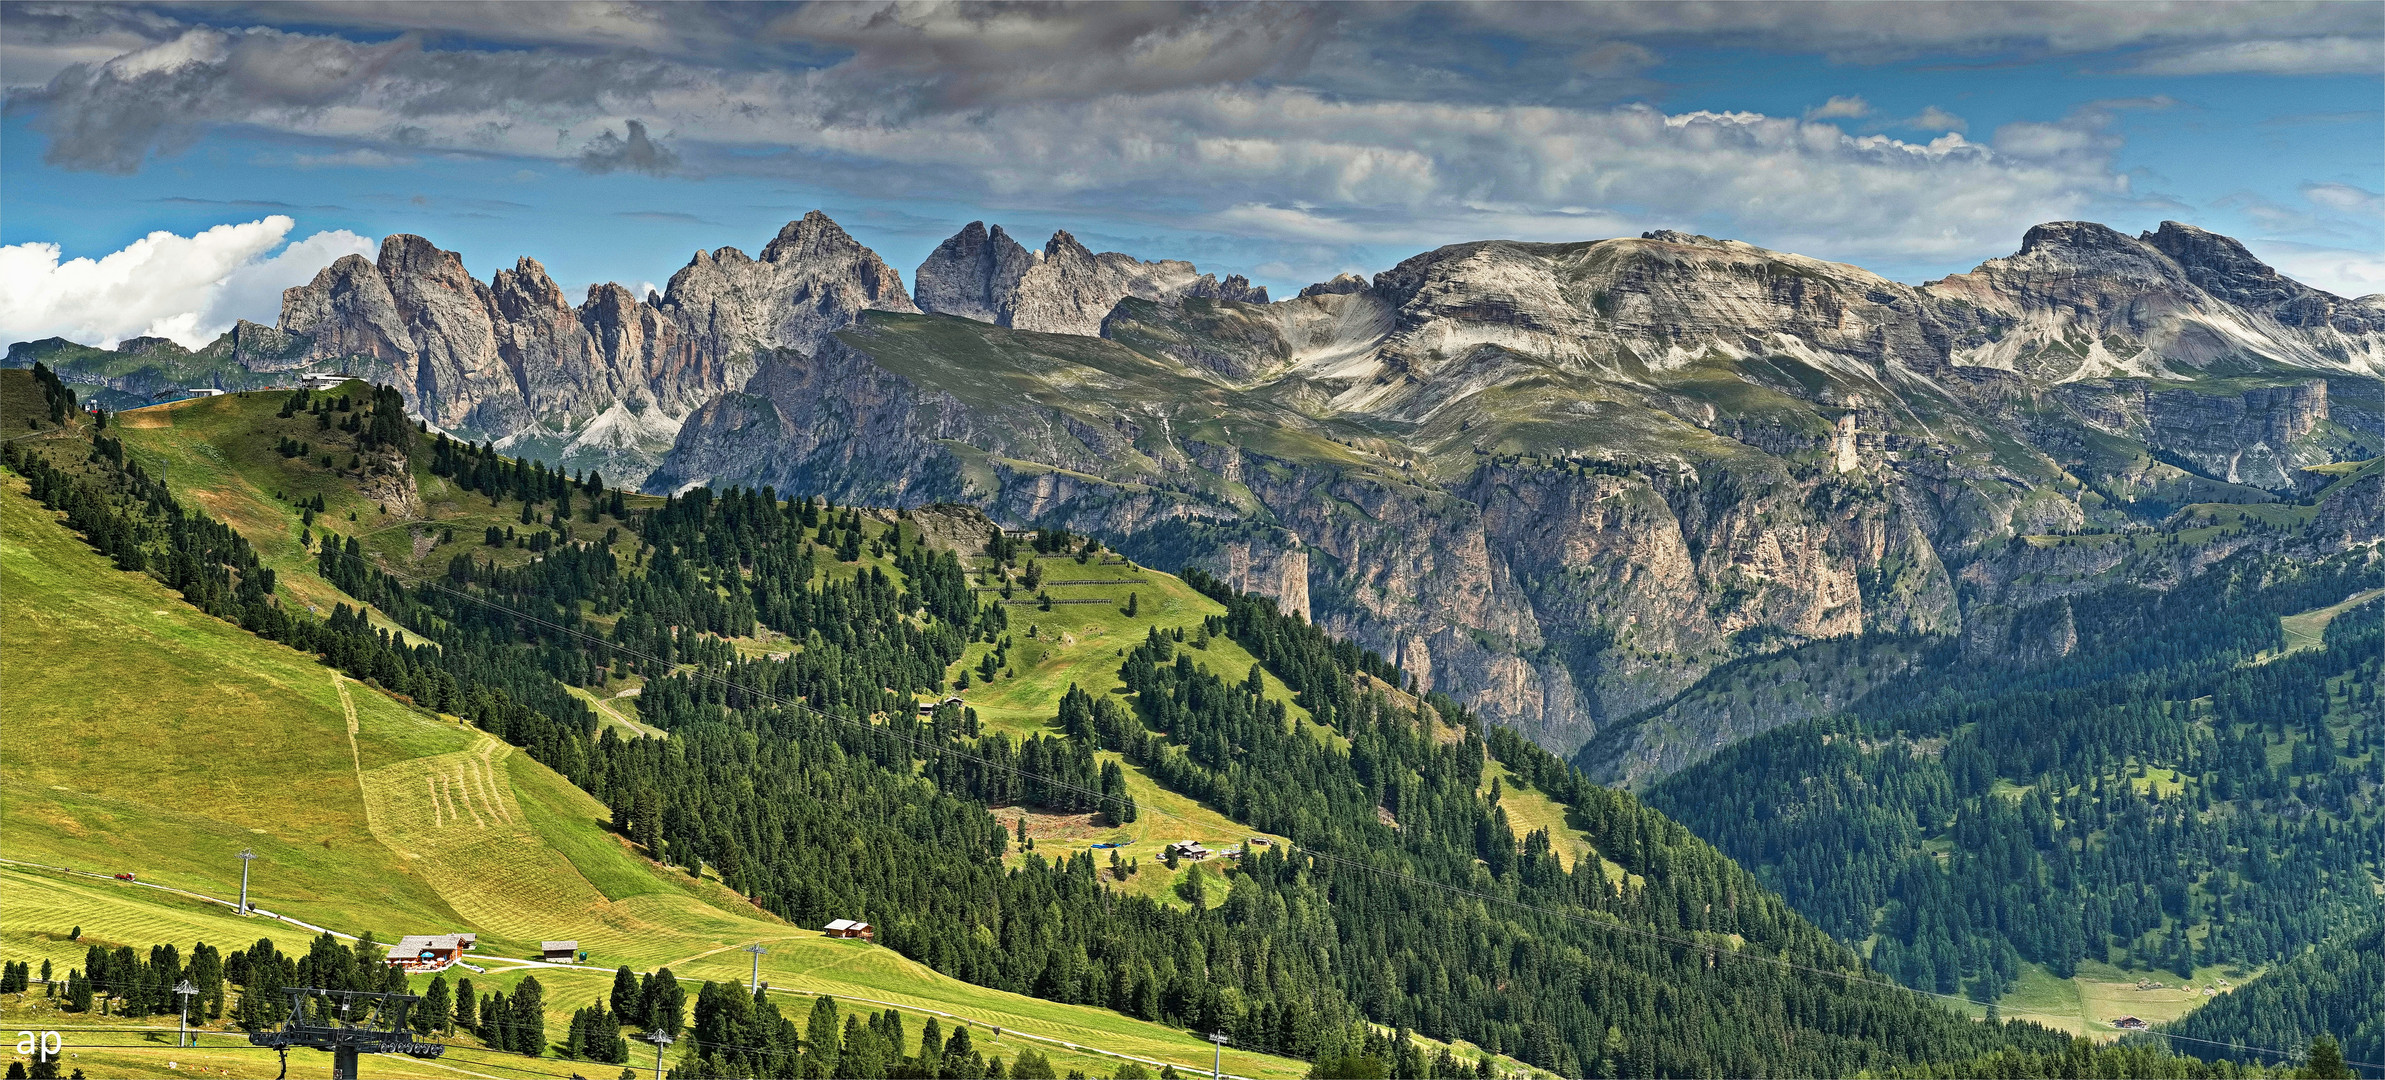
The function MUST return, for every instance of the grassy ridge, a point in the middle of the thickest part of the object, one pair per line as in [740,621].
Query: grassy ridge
[160,777]
[482,837]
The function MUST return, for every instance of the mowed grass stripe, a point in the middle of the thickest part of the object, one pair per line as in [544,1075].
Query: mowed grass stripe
[175,800]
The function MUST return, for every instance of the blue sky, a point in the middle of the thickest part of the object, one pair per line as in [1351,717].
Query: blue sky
[1284,142]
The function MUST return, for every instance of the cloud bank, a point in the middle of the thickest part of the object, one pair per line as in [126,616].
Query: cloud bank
[187,288]
[1195,134]
[1296,124]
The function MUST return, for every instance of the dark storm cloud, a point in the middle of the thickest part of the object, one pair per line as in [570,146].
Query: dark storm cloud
[962,56]
[634,152]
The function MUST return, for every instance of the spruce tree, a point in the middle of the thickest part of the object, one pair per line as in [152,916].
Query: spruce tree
[432,1014]
[823,1038]
[467,1007]
[2324,1061]
[626,999]
[530,1018]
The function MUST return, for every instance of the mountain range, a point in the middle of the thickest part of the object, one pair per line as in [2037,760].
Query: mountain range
[1563,483]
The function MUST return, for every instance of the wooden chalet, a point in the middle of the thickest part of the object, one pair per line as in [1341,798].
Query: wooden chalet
[850,928]
[559,952]
[430,952]
[1190,849]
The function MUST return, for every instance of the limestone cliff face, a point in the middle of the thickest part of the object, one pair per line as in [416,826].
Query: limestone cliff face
[1063,289]
[2221,267]
[2255,438]
[604,384]
[811,281]
[974,275]
[1568,482]
[349,312]
[1564,482]
[2080,300]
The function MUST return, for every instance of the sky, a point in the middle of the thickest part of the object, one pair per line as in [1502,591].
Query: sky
[169,168]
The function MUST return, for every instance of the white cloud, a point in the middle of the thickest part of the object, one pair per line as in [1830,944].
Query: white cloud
[2331,55]
[2345,197]
[1848,107]
[2342,271]
[1934,118]
[188,288]
[1429,166]
[359,158]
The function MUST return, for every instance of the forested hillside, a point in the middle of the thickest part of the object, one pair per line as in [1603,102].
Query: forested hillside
[2193,786]
[2337,988]
[780,646]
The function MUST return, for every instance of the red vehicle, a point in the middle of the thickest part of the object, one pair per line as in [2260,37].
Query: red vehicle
[124,877]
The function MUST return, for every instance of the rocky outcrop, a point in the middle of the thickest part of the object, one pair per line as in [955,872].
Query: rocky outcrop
[1563,482]
[2253,438]
[2220,266]
[811,281]
[604,384]
[2080,300]
[1341,283]
[1567,482]
[974,275]
[1746,698]
[348,313]
[1063,289]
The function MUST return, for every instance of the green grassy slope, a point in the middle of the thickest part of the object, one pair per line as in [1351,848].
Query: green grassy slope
[450,828]
[220,454]
[162,741]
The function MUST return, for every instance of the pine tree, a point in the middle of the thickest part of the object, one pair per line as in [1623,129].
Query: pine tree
[496,1021]
[2324,1061]
[931,1048]
[432,1014]
[666,1003]
[626,998]
[467,1007]
[823,1037]
[530,1018]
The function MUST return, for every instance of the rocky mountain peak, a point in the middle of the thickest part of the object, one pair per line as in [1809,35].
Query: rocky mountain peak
[2223,267]
[2078,235]
[974,274]
[983,274]
[349,311]
[812,236]
[527,285]
[405,255]
[1063,244]
[1340,285]
[136,346]
[1685,239]
[2081,265]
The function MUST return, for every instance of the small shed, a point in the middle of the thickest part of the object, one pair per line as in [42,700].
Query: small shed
[850,928]
[559,952]
[430,952]
[2129,1023]
[1189,849]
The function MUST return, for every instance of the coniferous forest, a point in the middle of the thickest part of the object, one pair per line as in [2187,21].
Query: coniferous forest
[2179,792]
[809,785]
[1405,903]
